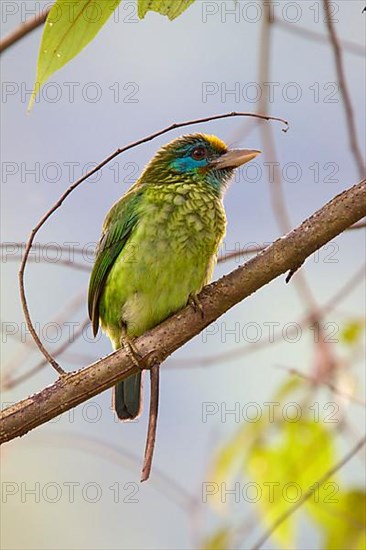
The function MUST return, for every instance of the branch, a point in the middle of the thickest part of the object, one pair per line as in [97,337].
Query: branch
[269,146]
[314,382]
[9,382]
[283,255]
[241,351]
[303,32]
[308,494]
[23,29]
[350,118]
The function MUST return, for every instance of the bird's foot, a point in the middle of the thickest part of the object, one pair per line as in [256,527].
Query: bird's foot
[152,359]
[131,350]
[196,304]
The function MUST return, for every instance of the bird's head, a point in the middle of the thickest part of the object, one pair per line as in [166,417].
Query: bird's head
[196,158]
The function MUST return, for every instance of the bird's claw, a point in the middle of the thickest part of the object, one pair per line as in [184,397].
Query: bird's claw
[131,351]
[196,304]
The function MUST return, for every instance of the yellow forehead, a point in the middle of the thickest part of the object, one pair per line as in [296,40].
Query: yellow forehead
[216,142]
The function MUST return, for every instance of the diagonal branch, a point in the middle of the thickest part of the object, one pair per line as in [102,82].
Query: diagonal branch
[283,255]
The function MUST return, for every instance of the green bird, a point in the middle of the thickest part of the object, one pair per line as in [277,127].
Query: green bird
[159,245]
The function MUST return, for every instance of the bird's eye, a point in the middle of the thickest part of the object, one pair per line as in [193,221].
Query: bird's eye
[199,153]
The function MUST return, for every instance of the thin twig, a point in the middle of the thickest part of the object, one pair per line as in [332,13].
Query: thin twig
[120,456]
[269,147]
[360,225]
[67,311]
[297,30]
[216,299]
[318,483]
[77,250]
[9,382]
[68,263]
[153,420]
[23,29]
[350,118]
[329,385]
[70,189]
[42,246]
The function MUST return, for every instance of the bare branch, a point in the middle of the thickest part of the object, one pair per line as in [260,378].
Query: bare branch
[269,146]
[297,30]
[350,118]
[42,246]
[23,29]
[285,253]
[318,483]
[11,367]
[316,382]
[68,263]
[9,382]
[240,351]
[120,456]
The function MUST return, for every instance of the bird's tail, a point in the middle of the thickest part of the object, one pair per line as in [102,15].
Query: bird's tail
[127,398]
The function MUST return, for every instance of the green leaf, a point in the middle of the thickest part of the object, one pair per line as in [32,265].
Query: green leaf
[286,467]
[69,27]
[291,384]
[171,9]
[346,527]
[352,331]
[220,540]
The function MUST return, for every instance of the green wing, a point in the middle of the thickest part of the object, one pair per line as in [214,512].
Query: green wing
[117,228]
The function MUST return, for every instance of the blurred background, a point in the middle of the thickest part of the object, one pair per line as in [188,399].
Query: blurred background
[74,482]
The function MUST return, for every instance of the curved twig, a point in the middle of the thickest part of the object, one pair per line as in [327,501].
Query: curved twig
[70,189]
[23,29]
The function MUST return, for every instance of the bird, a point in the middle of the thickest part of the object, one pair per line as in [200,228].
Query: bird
[159,245]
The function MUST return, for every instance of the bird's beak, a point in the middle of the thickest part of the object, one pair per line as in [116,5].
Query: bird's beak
[235,158]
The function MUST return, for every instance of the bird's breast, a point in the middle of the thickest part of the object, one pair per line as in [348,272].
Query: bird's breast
[186,212]
[171,255]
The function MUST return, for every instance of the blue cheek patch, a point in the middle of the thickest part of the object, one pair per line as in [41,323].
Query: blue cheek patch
[185,165]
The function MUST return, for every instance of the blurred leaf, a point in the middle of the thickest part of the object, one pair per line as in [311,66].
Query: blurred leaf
[347,525]
[292,383]
[69,27]
[288,467]
[164,7]
[220,540]
[352,331]
[229,459]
